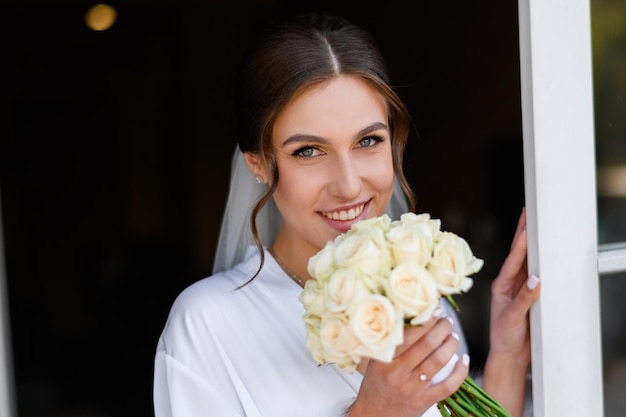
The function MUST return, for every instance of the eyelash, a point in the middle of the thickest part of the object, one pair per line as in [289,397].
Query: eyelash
[298,152]
[375,138]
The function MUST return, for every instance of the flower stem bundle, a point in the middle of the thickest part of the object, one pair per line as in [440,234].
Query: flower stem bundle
[471,400]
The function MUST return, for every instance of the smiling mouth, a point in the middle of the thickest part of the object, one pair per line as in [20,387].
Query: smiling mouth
[344,215]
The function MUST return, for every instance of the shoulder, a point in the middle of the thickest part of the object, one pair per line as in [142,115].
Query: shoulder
[212,293]
[206,307]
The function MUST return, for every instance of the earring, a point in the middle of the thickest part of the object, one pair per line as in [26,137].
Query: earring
[258,179]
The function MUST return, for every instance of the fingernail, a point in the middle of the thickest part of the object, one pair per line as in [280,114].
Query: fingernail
[455,335]
[465,359]
[532,282]
[438,312]
[450,320]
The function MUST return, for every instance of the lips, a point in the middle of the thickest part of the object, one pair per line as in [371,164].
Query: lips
[342,220]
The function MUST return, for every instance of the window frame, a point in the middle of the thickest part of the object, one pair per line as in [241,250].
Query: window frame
[7,394]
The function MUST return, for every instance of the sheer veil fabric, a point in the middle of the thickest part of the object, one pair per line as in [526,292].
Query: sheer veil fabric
[235,235]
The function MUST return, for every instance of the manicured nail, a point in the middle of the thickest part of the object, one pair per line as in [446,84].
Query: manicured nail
[465,359]
[532,282]
[450,320]
[438,312]
[455,335]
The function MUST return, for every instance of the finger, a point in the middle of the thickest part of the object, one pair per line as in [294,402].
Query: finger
[521,225]
[428,343]
[413,333]
[525,298]
[440,357]
[520,242]
[514,263]
[452,383]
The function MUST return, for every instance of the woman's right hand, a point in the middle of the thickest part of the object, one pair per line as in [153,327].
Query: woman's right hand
[396,389]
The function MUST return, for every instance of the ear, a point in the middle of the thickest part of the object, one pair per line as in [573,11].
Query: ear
[256,166]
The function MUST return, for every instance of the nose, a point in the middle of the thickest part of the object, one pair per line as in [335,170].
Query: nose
[345,179]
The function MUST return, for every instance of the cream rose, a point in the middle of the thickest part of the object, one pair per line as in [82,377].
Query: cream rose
[313,341]
[378,325]
[338,341]
[312,298]
[381,222]
[452,262]
[343,288]
[322,265]
[364,250]
[411,218]
[413,289]
[412,240]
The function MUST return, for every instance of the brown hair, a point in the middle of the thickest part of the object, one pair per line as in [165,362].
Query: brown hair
[301,52]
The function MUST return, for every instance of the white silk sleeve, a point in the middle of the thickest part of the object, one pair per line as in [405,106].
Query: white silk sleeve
[178,392]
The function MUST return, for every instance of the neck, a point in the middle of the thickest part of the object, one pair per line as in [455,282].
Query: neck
[297,278]
[293,251]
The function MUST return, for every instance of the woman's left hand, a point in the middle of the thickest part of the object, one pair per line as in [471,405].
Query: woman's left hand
[513,293]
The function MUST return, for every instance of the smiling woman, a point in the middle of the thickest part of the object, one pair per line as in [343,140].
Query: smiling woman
[322,127]
[115,146]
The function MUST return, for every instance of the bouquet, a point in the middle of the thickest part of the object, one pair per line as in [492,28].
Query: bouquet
[378,277]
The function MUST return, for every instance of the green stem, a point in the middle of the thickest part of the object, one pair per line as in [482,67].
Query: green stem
[454,304]
[456,408]
[443,410]
[475,391]
[479,394]
[465,402]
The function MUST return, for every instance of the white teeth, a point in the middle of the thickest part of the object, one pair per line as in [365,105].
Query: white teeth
[345,215]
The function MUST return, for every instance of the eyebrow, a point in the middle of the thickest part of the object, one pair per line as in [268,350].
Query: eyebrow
[301,137]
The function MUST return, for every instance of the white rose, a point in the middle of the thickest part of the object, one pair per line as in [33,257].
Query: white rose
[322,265]
[338,341]
[312,298]
[380,222]
[343,288]
[452,262]
[423,218]
[411,241]
[313,341]
[378,325]
[413,289]
[364,250]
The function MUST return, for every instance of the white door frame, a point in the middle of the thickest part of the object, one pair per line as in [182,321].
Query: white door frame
[559,163]
[7,394]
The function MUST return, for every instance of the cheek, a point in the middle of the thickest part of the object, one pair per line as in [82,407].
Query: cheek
[381,177]
[294,191]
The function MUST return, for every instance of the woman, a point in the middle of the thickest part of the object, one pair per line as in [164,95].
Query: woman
[322,133]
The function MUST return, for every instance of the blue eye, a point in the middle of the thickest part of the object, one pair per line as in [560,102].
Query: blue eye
[305,152]
[368,141]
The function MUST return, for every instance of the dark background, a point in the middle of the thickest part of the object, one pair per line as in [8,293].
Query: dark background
[114,156]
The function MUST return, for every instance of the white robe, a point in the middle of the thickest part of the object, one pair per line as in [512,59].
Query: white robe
[235,353]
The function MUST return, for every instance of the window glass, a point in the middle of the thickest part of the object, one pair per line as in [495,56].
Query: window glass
[609,68]
[612,296]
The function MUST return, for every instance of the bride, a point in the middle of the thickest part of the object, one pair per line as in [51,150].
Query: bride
[321,139]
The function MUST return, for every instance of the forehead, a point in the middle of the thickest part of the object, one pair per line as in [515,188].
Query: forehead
[332,108]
